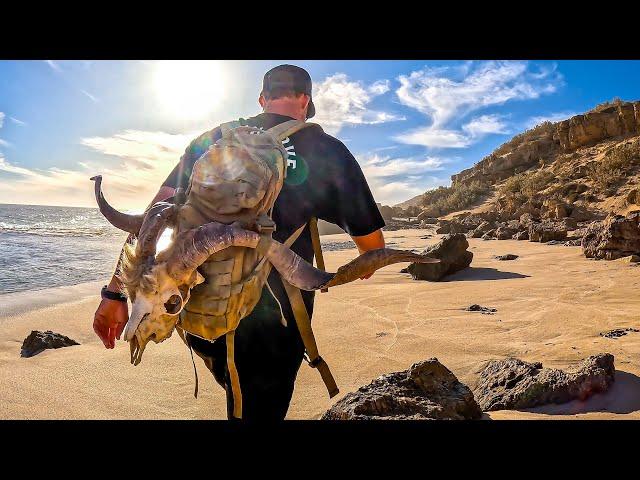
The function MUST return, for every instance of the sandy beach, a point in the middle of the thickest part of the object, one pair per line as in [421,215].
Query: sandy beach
[552,304]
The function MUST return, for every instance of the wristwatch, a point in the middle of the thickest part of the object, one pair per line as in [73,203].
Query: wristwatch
[104,293]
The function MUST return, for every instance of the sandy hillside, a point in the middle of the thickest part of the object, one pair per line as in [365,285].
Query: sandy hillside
[552,304]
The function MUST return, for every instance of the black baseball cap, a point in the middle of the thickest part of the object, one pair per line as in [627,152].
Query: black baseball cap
[289,77]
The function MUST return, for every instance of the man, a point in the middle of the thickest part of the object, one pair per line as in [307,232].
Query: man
[324,181]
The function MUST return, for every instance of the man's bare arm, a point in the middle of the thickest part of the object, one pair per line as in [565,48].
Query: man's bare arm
[373,241]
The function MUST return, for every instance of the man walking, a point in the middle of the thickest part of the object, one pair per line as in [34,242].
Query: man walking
[324,181]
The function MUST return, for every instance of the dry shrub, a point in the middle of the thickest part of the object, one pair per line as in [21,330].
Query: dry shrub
[527,184]
[454,198]
[616,164]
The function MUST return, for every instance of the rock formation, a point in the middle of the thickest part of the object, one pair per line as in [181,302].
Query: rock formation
[453,254]
[427,390]
[547,141]
[38,341]
[546,231]
[618,236]
[513,384]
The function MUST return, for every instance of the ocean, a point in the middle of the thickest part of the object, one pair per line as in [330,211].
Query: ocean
[44,246]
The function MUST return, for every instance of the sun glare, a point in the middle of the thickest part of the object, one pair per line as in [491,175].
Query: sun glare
[188,89]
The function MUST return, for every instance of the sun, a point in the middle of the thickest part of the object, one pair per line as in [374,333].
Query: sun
[188,89]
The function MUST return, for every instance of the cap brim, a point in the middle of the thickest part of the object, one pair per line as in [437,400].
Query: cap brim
[311,109]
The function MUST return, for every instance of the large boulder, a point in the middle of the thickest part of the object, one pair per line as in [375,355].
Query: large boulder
[505,233]
[513,384]
[38,341]
[481,229]
[546,231]
[427,390]
[616,237]
[453,254]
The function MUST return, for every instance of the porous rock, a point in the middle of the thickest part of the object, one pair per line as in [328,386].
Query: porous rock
[618,236]
[427,390]
[546,231]
[453,254]
[512,384]
[38,341]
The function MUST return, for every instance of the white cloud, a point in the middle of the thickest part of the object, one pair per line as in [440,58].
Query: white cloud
[91,97]
[484,125]
[435,138]
[446,94]
[141,161]
[3,143]
[53,65]
[393,180]
[340,101]
[551,117]
[16,121]
[375,166]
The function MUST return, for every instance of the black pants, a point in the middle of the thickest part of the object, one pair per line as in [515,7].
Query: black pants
[267,355]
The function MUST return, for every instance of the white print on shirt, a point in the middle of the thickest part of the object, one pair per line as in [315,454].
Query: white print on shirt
[292,161]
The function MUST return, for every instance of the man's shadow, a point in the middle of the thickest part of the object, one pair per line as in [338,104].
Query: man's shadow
[481,273]
[622,397]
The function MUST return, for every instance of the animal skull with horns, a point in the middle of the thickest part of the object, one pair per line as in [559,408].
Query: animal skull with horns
[228,193]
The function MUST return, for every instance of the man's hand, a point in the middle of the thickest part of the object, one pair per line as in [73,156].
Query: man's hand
[373,241]
[109,321]
[111,316]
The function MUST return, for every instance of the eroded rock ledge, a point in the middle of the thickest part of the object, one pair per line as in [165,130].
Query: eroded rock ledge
[513,384]
[427,390]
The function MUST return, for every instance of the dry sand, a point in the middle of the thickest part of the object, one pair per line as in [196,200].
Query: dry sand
[552,304]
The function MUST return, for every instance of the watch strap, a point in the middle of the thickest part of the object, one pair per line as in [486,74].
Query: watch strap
[104,293]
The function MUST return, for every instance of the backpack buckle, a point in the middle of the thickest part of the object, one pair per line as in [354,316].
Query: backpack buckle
[265,225]
[313,363]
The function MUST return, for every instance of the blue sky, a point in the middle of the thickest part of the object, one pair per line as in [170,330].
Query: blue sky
[410,124]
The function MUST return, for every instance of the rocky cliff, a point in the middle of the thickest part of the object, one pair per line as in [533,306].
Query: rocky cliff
[544,143]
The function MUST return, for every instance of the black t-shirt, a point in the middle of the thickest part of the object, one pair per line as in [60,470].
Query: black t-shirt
[323,180]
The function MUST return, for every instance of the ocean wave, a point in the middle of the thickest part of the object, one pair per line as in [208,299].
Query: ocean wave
[59,230]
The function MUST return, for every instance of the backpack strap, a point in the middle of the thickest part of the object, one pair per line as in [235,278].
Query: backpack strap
[308,339]
[317,246]
[303,321]
[284,129]
[225,128]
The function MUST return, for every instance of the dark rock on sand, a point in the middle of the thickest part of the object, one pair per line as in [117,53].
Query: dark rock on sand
[616,237]
[513,384]
[546,232]
[508,256]
[427,390]
[618,332]
[479,308]
[453,254]
[38,341]
[523,235]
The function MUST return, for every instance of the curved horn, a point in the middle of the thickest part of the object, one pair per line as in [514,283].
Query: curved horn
[123,221]
[155,220]
[299,273]
[193,247]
